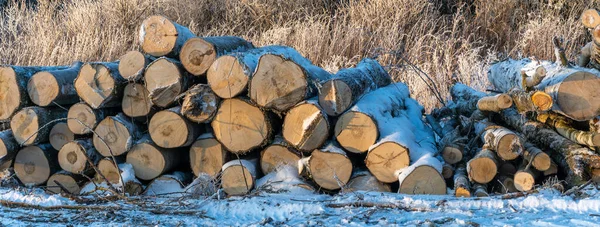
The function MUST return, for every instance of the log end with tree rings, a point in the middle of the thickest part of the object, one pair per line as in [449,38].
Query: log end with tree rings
[95,84]
[240,126]
[197,55]
[207,156]
[238,177]
[158,36]
[43,88]
[577,96]
[136,101]
[25,124]
[277,155]
[385,160]
[330,168]
[227,77]
[10,96]
[164,81]
[483,167]
[33,166]
[452,154]
[306,126]
[541,100]
[335,97]
[131,65]
[117,133]
[81,119]
[64,180]
[590,18]
[60,135]
[356,131]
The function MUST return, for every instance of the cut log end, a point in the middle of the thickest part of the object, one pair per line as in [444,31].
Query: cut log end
[72,157]
[200,104]
[227,77]
[482,168]
[148,162]
[542,162]
[541,100]
[109,170]
[84,114]
[509,147]
[414,182]
[164,81]
[32,166]
[366,182]
[452,154]
[132,64]
[240,126]
[386,159]
[524,181]
[335,97]
[207,156]
[356,131]
[43,88]
[238,179]
[10,96]
[495,103]
[275,156]
[158,36]
[95,84]
[590,18]
[197,55]
[169,129]
[306,127]
[586,103]
[115,134]
[66,181]
[330,170]
[60,135]
[25,125]
[136,101]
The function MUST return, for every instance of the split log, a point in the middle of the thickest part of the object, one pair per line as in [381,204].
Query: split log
[78,156]
[54,87]
[65,180]
[506,143]
[168,184]
[329,167]
[60,135]
[32,125]
[136,102]
[35,164]
[306,126]
[200,104]
[239,176]
[8,148]
[564,128]
[170,129]
[83,113]
[116,135]
[348,85]
[133,64]
[530,101]
[114,175]
[364,181]
[525,178]
[462,186]
[149,160]
[480,190]
[482,168]
[100,85]
[278,154]
[13,87]
[198,54]
[427,167]
[207,156]
[494,103]
[160,36]
[590,18]
[241,126]
[165,80]
[282,80]
[538,159]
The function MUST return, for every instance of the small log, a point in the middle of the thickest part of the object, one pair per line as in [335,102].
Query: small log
[348,85]
[564,128]
[165,80]
[83,113]
[507,144]
[32,125]
[149,160]
[100,85]
[60,135]
[447,171]
[114,175]
[54,87]
[494,103]
[278,154]
[136,102]
[452,144]
[207,156]
[198,54]
[168,184]
[306,126]
[65,180]
[506,184]
[538,159]
[585,57]
[427,167]
[525,178]
[480,190]
[329,167]
[482,168]
[170,129]
[35,164]
[462,186]
[8,148]
[160,36]
[590,18]
[364,181]
[553,170]
[200,104]
[78,156]
[133,64]
[115,135]
[239,176]
[530,101]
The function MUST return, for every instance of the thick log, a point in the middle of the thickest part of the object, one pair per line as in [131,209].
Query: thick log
[13,87]
[62,180]
[536,157]
[239,176]
[590,18]
[133,64]
[78,156]
[116,135]
[170,129]
[165,80]
[525,177]
[149,160]
[507,144]
[306,126]
[348,85]
[284,79]
[427,167]
[32,125]
[482,168]
[200,104]
[169,184]
[364,181]
[60,135]
[136,102]
[8,149]
[563,126]
[494,103]
[329,167]
[100,85]
[462,186]
[198,54]
[207,156]
[90,117]
[278,154]
[114,176]
[54,87]
[160,36]
[35,164]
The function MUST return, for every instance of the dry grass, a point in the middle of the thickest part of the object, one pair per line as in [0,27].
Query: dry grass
[444,38]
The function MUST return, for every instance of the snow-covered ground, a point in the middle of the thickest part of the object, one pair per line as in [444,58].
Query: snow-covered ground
[547,208]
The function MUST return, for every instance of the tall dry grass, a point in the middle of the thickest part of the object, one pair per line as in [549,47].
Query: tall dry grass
[445,39]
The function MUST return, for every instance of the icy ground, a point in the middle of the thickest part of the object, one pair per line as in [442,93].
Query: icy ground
[546,208]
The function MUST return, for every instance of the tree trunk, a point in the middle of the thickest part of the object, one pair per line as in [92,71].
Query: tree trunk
[365,181]
[78,156]
[538,159]
[100,85]
[278,154]
[62,180]
[494,103]
[168,184]
[133,64]
[329,167]
[200,104]
[136,102]
[170,129]
[239,176]
[149,160]
[198,54]
[283,79]
[54,87]
[83,113]
[35,164]
[207,155]
[462,186]
[483,167]
[60,135]
[160,36]
[348,85]
[116,135]
[507,144]
[306,126]
[32,125]
[8,148]
[564,128]
[165,80]
[427,167]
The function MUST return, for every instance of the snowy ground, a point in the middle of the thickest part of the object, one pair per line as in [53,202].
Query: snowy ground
[547,208]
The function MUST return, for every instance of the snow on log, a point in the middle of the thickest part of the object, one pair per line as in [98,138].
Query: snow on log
[165,80]
[207,155]
[78,156]
[35,164]
[198,54]
[278,154]
[133,64]
[8,148]
[170,129]
[32,125]
[115,135]
[149,160]
[136,102]
[169,184]
[412,181]
[100,85]
[200,104]
[482,168]
[284,180]
[60,135]
[160,36]
[54,87]
[507,144]
[116,177]
[362,180]
[462,186]
[306,126]
[239,176]
[465,99]
[63,180]
[82,118]
[328,166]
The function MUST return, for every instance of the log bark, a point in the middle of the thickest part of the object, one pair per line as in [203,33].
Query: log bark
[8,148]
[447,171]
[348,85]
[170,129]
[35,164]
[60,135]
[133,64]
[278,154]
[137,103]
[62,180]
[78,156]
[200,104]
[564,128]
[32,125]
[482,168]
[149,160]
[284,79]
[306,126]
[90,117]
[507,144]
[165,80]
[116,135]
[505,184]
[585,57]
[494,103]
[464,99]
[462,186]
[54,87]
[364,181]
[198,54]
[330,167]
[590,18]
[239,176]
[427,167]
[536,157]
[100,85]
[452,144]
[207,156]
[160,36]
[168,184]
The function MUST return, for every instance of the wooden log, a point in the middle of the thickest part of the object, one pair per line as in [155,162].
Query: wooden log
[447,171]
[8,149]
[278,154]
[590,18]
[78,156]
[60,135]
[160,36]
[241,126]
[525,177]
[452,144]
[563,126]
[198,54]
[54,87]
[465,99]
[482,168]
[462,186]
[35,164]
[505,184]
[136,102]
[170,129]
[115,135]
[100,85]
[494,103]
[306,126]
[32,125]
[348,85]
[480,190]
[553,170]
[530,101]
[365,181]
[282,80]
[169,184]
[284,180]
[165,80]
[133,64]
[329,167]
[507,144]
[239,176]
[427,167]
[585,57]
[538,159]
[114,176]
[90,117]
[149,160]
[200,104]
[207,156]
[13,87]
[64,180]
